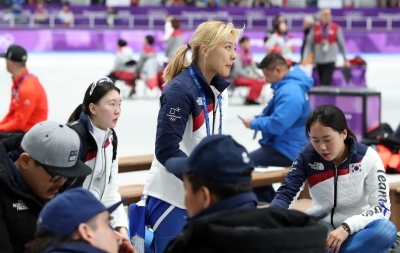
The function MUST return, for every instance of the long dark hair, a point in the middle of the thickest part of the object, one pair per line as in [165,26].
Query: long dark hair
[93,94]
[329,116]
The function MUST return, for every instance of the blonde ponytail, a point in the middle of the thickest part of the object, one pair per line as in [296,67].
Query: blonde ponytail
[176,65]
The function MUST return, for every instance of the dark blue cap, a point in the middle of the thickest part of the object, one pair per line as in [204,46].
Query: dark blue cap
[218,157]
[63,214]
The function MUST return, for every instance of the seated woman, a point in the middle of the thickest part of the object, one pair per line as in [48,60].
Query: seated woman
[347,183]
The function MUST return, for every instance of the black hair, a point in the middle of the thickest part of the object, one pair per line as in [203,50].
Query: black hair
[150,39]
[329,116]
[219,189]
[175,23]
[271,61]
[243,39]
[122,43]
[98,92]
[44,239]
[276,27]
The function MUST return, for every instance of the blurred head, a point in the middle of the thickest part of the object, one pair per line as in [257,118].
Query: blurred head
[102,103]
[326,16]
[274,67]
[217,169]
[213,49]
[149,40]
[175,23]
[16,57]
[76,215]
[280,18]
[281,28]
[65,7]
[122,43]
[244,43]
[328,132]
[48,156]
[308,22]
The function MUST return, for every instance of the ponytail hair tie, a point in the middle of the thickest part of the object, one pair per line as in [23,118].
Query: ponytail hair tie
[188,46]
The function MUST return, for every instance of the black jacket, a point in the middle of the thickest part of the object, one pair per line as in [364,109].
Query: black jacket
[266,230]
[74,247]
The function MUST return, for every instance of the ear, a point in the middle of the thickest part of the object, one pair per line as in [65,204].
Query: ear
[92,108]
[85,233]
[203,50]
[345,133]
[205,194]
[25,160]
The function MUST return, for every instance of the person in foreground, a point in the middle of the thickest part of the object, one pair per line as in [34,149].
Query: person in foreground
[347,180]
[76,221]
[222,207]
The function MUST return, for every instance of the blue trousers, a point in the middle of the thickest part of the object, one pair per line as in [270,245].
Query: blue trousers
[377,237]
[264,157]
[166,221]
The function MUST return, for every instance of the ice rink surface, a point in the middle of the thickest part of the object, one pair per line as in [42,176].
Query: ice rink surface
[66,75]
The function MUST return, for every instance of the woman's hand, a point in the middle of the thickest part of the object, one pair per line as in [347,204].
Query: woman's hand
[335,239]
[123,232]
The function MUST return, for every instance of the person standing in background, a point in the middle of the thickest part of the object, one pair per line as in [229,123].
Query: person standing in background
[176,40]
[28,98]
[324,40]
[168,29]
[280,40]
[308,23]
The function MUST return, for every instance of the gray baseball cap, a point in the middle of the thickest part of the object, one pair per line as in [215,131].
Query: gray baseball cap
[55,146]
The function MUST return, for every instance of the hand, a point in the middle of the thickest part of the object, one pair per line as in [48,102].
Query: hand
[335,239]
[347,64]
[248,121]
[123,233]
[126,247]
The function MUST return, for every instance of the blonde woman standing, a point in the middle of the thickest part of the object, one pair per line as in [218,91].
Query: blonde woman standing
[192,106]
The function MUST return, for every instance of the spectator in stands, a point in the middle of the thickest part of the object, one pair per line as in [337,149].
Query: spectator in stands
[278,19]
[282,122]
[76,221]
[148,67]
[41,14]
[192,106]
[32,172]
[176,40]
[123,65]
[97,117]
[393,4]
[347,182]
[111,15]
[324,40]
[28,104]
[308,23]
[280,39]
[245,72]
[65,15]
[222,208]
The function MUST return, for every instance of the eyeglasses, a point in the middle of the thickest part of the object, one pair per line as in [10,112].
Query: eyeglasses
[54,177]
[99,83]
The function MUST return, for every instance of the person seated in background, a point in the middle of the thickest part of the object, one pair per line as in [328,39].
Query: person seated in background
[223,210]
[123,68]
[148,68]
[28,104]
[281,39]
[282,122]
[32,171]
[76,221]
[41,14]
[245,72]
[65,15]
[176,40]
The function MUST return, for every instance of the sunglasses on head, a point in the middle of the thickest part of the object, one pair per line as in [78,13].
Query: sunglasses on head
[99,83]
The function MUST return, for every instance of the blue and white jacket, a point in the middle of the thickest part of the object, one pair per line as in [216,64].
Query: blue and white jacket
[362,188]
[180,127]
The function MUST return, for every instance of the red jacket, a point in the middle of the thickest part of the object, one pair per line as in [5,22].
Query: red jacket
[28,104]
[332,33]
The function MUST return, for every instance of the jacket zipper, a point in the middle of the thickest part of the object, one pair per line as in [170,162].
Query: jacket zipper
[105,172]
[215,111]
[335,179]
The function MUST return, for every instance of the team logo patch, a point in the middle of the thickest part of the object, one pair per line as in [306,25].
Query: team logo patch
[316,166]
[73,155]
[172,113]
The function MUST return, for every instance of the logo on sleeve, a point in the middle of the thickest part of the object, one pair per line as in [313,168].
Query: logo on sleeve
[172,115]
[316,166]
[355,167]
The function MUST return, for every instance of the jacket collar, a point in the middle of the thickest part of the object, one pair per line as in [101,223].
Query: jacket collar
[17,80]
[218,82]
[75,247]
[241,201]
[85,120]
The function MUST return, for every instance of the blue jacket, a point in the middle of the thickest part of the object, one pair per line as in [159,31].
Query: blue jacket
[74,247]
[282,122]
[179,100]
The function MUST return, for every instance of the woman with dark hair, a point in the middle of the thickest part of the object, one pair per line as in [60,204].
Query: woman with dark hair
[280,41]
[347,182]
[98,114]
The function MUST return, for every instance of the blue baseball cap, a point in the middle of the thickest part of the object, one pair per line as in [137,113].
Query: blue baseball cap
[64,213]
[218,157]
